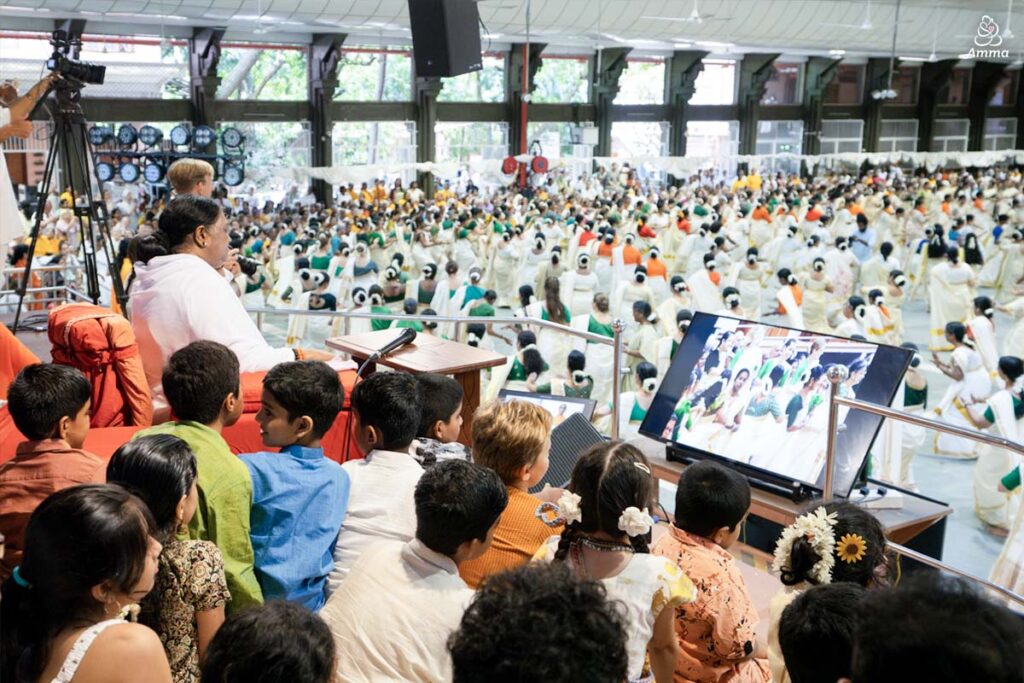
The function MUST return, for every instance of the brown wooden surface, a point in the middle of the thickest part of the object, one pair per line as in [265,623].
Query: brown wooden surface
[900,525]
[425,354]
[429,354]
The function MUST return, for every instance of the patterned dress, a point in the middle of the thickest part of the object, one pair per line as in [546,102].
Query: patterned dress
[190,580]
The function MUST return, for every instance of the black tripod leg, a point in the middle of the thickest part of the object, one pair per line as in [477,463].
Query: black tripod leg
[51,163]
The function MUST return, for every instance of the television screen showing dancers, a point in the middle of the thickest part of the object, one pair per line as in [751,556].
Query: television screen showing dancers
[758,395]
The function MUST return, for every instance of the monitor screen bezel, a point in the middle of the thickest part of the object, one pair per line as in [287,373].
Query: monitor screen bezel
[760,473]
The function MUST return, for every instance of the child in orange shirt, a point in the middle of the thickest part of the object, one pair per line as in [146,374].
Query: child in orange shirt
[513,439]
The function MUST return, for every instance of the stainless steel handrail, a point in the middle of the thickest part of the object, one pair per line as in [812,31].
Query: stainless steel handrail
[837,375]
[618,327]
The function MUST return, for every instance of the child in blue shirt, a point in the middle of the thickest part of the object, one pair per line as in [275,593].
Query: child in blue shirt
[299,496]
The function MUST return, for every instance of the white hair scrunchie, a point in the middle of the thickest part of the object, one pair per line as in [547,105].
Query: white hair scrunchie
[635,522]
[569,507]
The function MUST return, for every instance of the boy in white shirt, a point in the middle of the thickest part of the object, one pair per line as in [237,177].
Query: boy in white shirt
[399,604]
[386,413]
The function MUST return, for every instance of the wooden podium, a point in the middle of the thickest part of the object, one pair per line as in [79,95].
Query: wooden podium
[428,354]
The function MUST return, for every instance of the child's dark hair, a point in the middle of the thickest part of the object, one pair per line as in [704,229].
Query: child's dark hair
[77,538]
[609,477]
[440,397]
[389,401]
[533,362]
[457,502]
[560,627]
[160,469]
[709,497]
[197,379]
[44,393]
[850,520]
[272,643]
[938,629]
[816,632]
[409,306]
[307,388]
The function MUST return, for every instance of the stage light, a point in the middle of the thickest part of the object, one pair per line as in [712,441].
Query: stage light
[104,171]
[151,136]
[203,136]
[154,172]
[129,172]
[232,138]
[100,135]
[234,174]
[127,135]
[181,135]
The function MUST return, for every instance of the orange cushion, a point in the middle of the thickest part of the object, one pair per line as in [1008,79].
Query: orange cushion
[252,388]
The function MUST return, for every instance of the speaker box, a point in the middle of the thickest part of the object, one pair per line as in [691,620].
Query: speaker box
[445,37]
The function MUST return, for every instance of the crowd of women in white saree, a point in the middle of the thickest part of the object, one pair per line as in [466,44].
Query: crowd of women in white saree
[835,253]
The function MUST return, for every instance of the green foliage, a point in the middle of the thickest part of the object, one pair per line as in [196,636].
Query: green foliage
[360,77]
[486,85]
[275,74]
[460,141]
[561,80]
[269,145]
[359,142]
[642,83]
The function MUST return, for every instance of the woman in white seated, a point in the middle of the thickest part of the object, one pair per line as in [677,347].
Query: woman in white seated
[181,295]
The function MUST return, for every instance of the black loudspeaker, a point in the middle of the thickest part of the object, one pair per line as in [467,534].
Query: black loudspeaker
[445,37]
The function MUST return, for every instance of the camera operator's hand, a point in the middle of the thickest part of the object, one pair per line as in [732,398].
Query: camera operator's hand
[20,128]
[23,106]
[231,264]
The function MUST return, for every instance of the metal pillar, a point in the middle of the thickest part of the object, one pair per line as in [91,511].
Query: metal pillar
[203,57]
[618,327]
[607,68]
[425,92]
[818,74]
[755,70]
[521,68]
[323,56]
[876,77]
[837,374]
[683,69]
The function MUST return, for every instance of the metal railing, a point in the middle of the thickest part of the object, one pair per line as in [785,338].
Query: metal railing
[837,375]
[615,342]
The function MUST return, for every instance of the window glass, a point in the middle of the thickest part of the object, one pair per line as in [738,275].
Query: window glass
[562,79]
[784,85]
[848,85]
[642,82]
[716,83]
[486,85]
[374,75]
[250,72]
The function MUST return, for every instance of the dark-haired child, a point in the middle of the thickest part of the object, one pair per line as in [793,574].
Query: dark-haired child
[816,632]
[399,604]
[605,538]
[298,496]
[187,604]
[717,632]
[272,643]
[386,414]
[50,407]
[203,387]
[440,421]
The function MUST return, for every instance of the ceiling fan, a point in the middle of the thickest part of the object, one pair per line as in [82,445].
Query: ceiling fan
[695,17]
[866,24]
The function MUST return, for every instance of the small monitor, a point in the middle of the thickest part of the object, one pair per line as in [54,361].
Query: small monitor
[756,396]
[560,407]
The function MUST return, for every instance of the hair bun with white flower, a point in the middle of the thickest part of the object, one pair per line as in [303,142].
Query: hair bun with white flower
[569,507]
[817,528]
[635,522]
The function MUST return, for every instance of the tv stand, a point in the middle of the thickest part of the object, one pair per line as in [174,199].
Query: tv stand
[793,490]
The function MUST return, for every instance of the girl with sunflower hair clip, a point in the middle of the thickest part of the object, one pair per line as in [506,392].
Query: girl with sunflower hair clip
[831,543]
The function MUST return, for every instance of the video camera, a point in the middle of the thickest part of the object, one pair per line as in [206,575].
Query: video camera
[73,69]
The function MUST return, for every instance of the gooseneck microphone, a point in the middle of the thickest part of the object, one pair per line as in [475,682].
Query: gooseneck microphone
[404,339]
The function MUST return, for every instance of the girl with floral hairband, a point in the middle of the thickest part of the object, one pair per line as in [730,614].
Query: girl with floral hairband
[606,511]
[832,543]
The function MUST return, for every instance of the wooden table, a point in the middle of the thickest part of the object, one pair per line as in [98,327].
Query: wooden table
[428,354]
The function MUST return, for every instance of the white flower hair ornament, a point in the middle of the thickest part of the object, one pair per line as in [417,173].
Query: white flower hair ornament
[569,507]
[817,528]
[635,522]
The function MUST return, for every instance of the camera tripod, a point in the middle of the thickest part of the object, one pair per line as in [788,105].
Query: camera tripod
[70,145]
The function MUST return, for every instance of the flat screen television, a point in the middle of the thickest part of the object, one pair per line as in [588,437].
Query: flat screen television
[756,396]
[560,407]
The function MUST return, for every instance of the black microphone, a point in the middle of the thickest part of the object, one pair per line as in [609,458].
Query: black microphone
[407,337]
